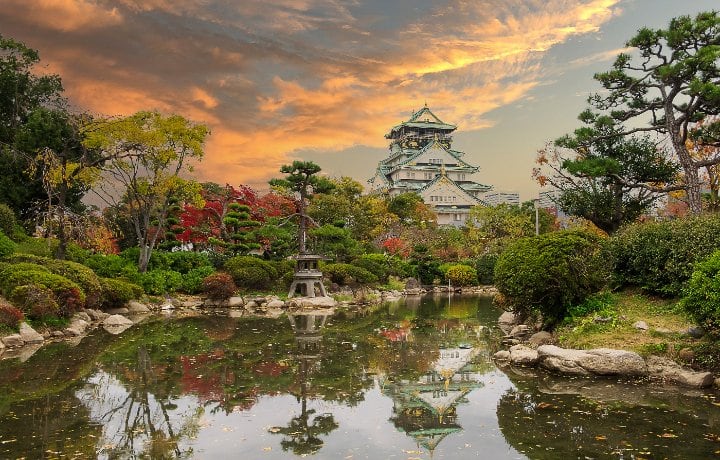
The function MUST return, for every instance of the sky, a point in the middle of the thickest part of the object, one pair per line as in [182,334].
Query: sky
[324,80]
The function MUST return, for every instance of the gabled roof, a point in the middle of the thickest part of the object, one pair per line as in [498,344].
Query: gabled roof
[444,178]
[430,145]
[424,118]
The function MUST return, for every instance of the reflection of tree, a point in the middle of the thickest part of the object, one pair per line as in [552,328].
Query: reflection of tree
[138,420]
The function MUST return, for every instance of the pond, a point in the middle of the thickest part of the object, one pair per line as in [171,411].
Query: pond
[408,380]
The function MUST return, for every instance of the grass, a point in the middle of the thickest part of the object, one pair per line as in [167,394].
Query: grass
[620,311]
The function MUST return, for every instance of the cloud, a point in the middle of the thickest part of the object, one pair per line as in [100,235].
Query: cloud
[64,15]
[273,78]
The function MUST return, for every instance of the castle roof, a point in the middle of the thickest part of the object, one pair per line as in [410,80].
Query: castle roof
[423,118]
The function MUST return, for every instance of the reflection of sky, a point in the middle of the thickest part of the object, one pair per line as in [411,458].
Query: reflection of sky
[364,430]
[325,79]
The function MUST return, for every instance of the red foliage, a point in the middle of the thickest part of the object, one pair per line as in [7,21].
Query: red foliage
[397,247]
[218,286]
[10,316]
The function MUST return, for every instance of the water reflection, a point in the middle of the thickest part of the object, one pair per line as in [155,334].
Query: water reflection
[410,379]
[302,434]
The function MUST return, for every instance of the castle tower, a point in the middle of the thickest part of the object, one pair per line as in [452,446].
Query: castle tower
[422,160]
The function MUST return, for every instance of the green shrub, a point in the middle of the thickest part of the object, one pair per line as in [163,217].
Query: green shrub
[116,293]
[80,274]
[10,316]
[35,246]
[159,282]
[549,273]
[377,264]
[29,258]
[250,272]
[218,286]
[7,246]
[192,280]
[67,294]
[702,295]
[36,301]
[185,261]
[346,274]
[485,267]
[7,220]
[461,275]
[113,266]
[659,256]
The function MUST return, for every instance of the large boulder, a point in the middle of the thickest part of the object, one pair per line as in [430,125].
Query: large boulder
[561,360]
[275,303]
[541,338]
[670,371]
[605,361]
[520,355]
[506,321]
[599,361]
[30,335]
[116,324]
[136,307]
[76,328]
[311,302]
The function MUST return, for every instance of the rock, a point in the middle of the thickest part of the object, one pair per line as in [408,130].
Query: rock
[641,325]
[76,328]
[137,307]
[662,330]
[686,355]
[605,361]
[412,283]
[502,355]
[541,338]
[2,346]
[694,332]
[414,291]
[30,335]
[96,315]
[82,316]
[509,341]
[506,321]
[166,306]
[521,355]
[235,302]
[57,334]
[13,341]
[117,320]
[191,302]
[251,305]
[117,311]
[716,383]
[116,324]
[561,360]
[275,303]
[311,302]
[519,331]
[670,371]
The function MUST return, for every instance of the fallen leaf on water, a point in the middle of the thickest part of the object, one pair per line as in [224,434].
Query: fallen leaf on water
[601,438]
[544,405]
[668,435]
[267,449]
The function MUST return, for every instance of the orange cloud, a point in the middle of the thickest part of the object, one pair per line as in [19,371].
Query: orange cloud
[66,15]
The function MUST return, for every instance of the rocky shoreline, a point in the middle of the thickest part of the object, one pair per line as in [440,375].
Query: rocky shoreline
[538,351]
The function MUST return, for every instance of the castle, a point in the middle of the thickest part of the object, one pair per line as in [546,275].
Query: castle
[422,160]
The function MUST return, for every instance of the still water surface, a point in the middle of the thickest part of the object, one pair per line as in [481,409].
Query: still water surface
[408,380]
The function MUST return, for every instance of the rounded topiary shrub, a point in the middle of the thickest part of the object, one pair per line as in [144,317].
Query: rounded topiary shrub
[659,256]
[218,286]
[461,275]
[549,273]
[377,264]
[701,297]
[7,246]
[185,261]
[36,301]
[80,274]
[10,316]
[348,274]
[193,279]
[67,294]
[159,282]
[250,272]
[116,293]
